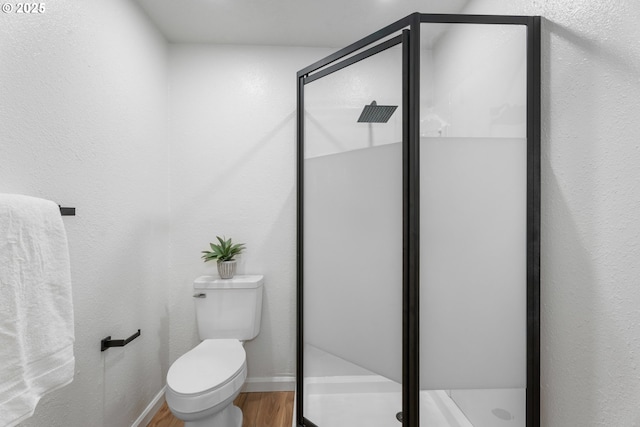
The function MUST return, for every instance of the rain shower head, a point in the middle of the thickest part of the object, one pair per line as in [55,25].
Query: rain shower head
[374,113]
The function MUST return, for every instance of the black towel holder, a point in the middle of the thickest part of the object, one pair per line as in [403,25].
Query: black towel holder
[108,342]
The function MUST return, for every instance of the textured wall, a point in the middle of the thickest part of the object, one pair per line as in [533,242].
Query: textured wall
[83,123]
[590,202]
[232,149]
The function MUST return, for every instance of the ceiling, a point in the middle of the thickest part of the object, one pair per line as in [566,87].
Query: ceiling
[322,23]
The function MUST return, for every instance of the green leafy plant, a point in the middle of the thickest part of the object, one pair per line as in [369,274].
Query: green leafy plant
[225,251]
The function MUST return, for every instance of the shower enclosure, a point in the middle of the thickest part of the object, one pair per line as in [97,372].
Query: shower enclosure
[419,226]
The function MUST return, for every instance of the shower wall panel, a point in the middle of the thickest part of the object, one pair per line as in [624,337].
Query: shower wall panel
[473,225]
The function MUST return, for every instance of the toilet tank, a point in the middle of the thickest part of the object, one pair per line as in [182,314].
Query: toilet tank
[228,308]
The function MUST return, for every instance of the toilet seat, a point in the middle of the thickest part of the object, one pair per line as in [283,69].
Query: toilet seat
[206,376]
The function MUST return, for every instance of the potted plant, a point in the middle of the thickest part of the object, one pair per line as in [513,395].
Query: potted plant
[224,253]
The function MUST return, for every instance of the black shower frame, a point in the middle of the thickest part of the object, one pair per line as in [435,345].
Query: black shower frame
[411,197]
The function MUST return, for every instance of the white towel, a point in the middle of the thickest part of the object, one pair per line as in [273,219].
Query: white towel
[36,310]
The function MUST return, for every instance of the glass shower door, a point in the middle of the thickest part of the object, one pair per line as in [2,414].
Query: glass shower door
[352,251]
[473,221]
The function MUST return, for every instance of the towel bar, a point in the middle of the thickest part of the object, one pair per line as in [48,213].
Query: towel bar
[67,211]
[108,342]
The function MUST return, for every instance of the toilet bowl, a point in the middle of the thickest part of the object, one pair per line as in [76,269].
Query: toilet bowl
[203,383]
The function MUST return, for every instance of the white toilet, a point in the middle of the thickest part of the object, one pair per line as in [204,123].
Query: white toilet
[203,383]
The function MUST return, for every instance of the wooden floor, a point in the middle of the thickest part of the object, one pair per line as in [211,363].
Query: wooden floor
[273,409]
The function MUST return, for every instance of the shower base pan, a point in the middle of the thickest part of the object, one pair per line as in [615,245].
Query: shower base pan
[341,394]
[374,401]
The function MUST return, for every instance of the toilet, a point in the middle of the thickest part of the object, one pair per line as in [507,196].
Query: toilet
[203,383]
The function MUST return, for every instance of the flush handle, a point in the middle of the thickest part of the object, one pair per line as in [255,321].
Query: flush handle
[200,295]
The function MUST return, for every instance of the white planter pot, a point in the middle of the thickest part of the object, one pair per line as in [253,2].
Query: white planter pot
[226,269]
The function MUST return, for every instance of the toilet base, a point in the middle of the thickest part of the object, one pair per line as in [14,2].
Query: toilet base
[231,416]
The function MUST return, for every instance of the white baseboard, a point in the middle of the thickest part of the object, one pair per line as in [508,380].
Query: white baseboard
[261,384]
[151,409]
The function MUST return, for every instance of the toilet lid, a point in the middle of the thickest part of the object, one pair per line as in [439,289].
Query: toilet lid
[209,365]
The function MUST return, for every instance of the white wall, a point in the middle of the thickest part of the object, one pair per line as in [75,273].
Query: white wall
[83,123]
[232,147]
[590,202]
